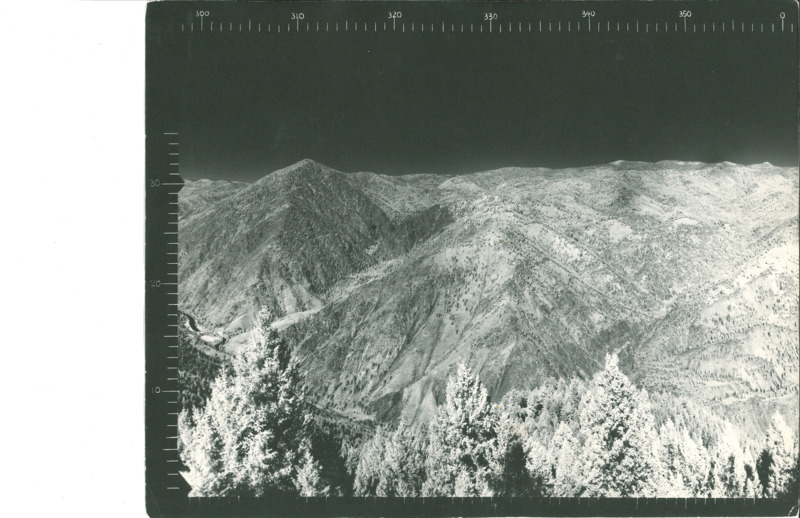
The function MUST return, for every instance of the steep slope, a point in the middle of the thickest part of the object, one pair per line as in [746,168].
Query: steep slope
[689,270]
[399,197]
[198,195]
[282,242]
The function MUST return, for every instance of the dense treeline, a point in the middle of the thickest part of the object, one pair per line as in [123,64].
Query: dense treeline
[601,438]
[196,371]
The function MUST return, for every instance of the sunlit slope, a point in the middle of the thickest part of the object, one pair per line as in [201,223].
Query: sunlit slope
[384,284]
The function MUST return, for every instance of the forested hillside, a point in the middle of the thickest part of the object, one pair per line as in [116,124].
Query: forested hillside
[383,285]
[257,436]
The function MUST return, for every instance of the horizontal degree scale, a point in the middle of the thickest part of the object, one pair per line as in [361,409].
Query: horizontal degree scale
[492,27]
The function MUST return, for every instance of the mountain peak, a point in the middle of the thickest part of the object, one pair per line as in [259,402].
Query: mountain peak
[308,162]
[305,164]
[306,169]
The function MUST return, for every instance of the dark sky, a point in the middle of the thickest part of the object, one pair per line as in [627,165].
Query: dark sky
[422,102]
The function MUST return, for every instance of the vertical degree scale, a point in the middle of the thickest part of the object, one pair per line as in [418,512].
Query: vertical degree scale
[167,389]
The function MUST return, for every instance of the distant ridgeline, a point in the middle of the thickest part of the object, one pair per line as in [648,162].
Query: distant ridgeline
[380,286]
[257,436]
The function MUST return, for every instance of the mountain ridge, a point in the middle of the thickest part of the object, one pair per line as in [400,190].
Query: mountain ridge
[384,283]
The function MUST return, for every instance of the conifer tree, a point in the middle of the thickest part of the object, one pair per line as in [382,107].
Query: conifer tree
[463,452]
[780,448]
[570,410]
[405,463]
[749,484]
[792,487]
[730,475]
[565,462]
[514,478]
[201,451]
[679,454]
[729,466]
[539,466]
[391,464]
[308,480]
[765,469]
[370,464]
[712,488]
[621,452]
[696,464]
[247,439]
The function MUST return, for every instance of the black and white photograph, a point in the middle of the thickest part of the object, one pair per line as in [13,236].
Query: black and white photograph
[465,253]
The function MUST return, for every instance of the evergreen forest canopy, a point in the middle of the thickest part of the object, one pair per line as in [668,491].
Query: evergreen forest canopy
[255,435]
